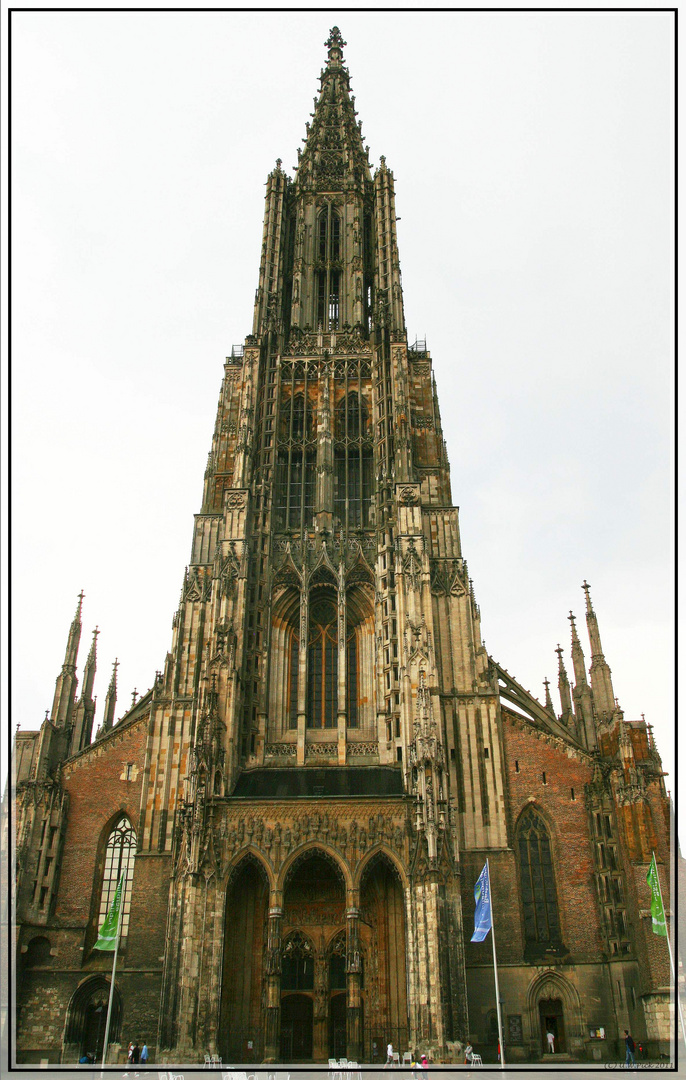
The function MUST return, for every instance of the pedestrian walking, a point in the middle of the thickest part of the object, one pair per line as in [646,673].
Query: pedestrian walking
[551,1042]
[389,1054]
[630,1048]
[136,1053]
[129,1056]
[144,1054]
[424,1063]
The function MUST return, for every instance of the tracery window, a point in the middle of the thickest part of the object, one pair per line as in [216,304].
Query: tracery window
[322,671]
[353,458]
[539,895]
[119,859]
[322,667]
[296,465]
[297,963]
[294,660]
[328,275]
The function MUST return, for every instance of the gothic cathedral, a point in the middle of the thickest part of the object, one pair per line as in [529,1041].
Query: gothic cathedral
[305,798]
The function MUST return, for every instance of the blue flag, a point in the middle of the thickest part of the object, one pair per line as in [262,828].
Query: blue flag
[482,914]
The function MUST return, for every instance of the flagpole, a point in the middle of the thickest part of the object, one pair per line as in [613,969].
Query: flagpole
[114,968]
[669,949]
[495,972]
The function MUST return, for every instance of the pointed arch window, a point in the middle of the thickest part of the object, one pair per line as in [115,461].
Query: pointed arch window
[353,462]
[322,667]
[296,464]
[328,276]
[119,859]
[539,894]
[294,663]
[297,963]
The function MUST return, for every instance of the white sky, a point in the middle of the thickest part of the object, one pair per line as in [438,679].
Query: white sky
[534,166]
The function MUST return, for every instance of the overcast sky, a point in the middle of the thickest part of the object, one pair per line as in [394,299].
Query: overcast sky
[533,156]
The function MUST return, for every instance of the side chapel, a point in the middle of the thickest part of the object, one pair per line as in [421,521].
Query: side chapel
[306,796]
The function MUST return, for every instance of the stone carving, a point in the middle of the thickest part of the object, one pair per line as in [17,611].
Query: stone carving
[197,584]
[322,749]
[408,496]
[280,750]
[235,500]
[412,566]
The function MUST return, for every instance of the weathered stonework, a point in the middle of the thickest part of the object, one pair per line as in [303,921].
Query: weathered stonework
[328,756]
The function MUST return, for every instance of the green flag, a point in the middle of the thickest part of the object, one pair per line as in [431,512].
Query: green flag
[656,909]
[107,938]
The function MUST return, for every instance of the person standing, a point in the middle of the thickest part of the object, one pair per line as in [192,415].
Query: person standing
[424,1062]
[136,1053]
[630,1048]
[551,1042]
[144,1054]
[389,1054]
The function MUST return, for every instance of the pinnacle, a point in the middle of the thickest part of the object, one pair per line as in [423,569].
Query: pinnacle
[333,157]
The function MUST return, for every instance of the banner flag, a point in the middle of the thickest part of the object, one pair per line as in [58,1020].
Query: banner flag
[656,906]
[482,915]
[107,938]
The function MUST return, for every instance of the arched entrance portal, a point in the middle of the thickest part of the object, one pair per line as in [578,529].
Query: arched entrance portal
[313,976]
[86,1019]
[383,942]
[297,1011]
[241,1022]
[552,1019]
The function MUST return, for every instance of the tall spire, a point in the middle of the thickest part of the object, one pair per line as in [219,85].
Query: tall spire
[64,700]
[601,676]
[334,156]
[583,700]
[548,699]
[110,703]
[85,710]
[563,685]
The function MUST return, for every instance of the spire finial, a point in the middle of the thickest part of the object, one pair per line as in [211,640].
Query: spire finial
[335,44]
[589,606]
[80,604]
[572,619]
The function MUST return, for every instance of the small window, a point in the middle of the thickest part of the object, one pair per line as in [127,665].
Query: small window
[633,997]
[486,752]
[573,796]
[399,753]
[516,766]
[452,753]
[544,778]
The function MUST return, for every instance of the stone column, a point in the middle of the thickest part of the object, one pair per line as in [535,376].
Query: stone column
[342,668]
[272,1027]
[320,1034]
[302,673]
[353,967]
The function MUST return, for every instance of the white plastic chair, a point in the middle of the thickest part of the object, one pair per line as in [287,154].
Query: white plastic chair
[407,1058]
[334,1070]
[215,1060]
[476,1060]
[396,1059]
[208,1062]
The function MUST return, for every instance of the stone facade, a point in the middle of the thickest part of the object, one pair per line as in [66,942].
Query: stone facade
[305,799]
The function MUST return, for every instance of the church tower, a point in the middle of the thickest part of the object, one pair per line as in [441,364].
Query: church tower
[307,795]
[319,727]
